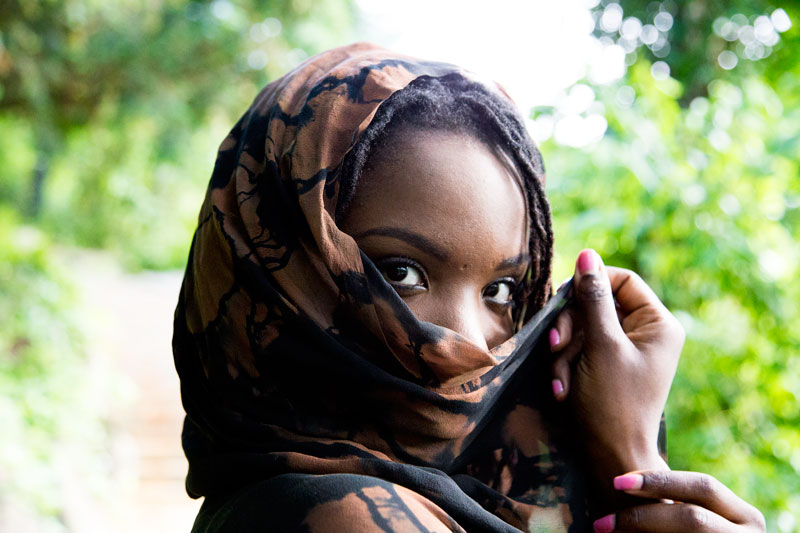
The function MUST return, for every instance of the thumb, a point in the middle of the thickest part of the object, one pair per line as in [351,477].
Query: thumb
[592,290]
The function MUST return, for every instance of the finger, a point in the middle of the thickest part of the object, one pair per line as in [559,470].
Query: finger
[561,333]
[664,518]
[594,297]
[567,348]
[562,370]
[620,312]
[630,290]
[689,487]
[638,305]
[561,379]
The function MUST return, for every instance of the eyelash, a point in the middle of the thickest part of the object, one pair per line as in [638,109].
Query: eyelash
[382,264]
[515,289]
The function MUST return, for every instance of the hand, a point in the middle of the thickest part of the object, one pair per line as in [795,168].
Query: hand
[615,365]
[708,505]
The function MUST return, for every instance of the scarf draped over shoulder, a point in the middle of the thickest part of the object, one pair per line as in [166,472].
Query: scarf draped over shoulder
[313,396]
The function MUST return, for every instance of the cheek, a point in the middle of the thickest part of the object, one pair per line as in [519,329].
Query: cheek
[466,313]
[499,328]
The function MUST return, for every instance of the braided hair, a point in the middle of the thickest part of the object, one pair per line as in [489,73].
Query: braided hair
[455,104]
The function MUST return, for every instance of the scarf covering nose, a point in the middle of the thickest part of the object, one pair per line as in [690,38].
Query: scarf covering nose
[297,359]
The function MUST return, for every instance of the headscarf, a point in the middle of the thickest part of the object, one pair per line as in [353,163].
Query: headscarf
[296,357]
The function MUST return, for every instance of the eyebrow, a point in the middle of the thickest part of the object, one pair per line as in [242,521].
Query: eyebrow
[515,261]
[412,238]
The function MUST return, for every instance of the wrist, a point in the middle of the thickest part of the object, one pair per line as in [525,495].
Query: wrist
[625,454]
[627,457]
[622,444]
[605,461]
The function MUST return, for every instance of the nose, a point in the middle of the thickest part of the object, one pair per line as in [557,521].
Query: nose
[462,314]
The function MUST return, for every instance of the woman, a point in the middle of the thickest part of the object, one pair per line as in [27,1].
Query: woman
[350,338]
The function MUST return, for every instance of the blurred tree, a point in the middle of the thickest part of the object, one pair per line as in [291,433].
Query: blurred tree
[704,40]
[110,113]
[699,192]
[44,417]
[68,65]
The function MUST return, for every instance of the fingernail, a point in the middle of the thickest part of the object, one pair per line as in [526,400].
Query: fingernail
[605,524]
[558,387]
[629,482]
[555,338]
[588,261]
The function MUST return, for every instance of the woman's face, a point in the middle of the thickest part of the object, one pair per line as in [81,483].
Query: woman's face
[444,220]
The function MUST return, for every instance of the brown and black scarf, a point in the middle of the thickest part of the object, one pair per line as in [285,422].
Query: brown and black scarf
[312,393]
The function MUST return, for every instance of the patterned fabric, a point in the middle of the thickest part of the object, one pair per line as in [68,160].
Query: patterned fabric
[315,400]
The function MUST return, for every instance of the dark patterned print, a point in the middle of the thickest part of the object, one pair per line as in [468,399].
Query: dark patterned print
[315,400]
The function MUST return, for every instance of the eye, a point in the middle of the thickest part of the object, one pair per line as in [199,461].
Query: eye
[500,291]
[403,273]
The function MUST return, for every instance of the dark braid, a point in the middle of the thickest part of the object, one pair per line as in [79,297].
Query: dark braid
[455,104]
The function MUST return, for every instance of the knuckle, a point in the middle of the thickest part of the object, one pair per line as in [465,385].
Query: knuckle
[757,519]
[705,484]
[564,326]
[593,287]
[760,521]
[633,276]
[676,326]
[636,517]
[657,480]
[695,518]
[631,519]
[680,334]
[631,279]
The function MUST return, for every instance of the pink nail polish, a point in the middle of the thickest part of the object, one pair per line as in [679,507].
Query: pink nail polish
[629,482]
[558,387]
[605,524]
[588,261]
[555,338]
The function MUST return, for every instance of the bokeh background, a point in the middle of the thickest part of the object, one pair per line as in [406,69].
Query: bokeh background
[671,133]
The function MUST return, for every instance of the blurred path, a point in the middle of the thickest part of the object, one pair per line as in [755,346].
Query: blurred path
[129,317]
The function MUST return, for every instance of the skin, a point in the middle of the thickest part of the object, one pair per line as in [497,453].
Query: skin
[617,346]
[461,276]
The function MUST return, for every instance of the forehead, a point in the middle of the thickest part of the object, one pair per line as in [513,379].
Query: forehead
[450,187]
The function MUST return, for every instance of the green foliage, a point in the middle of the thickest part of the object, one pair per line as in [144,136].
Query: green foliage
[690,36]
[115,109]
[703,203]
[50,426]
[110,115]
[699,193]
